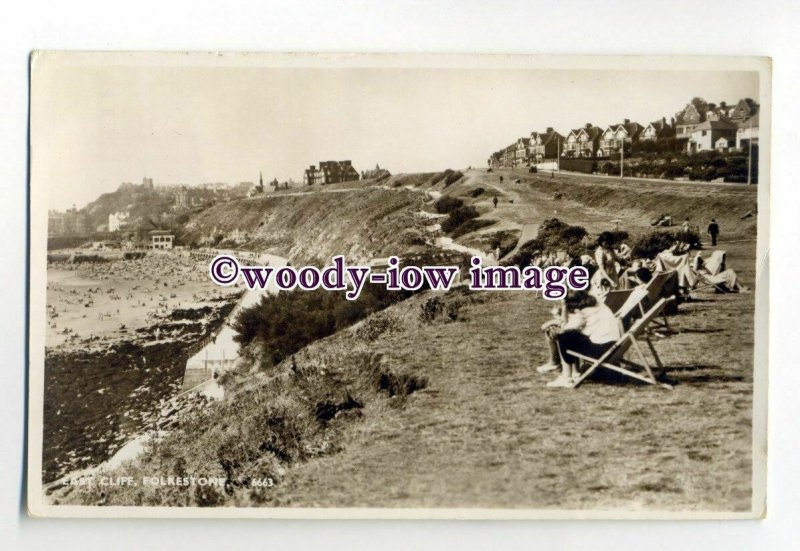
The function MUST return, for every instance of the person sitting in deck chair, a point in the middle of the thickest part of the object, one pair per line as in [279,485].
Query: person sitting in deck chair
[724,281]
[676,259]
[587,327]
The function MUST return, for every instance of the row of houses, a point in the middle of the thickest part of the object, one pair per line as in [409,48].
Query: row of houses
[697,127]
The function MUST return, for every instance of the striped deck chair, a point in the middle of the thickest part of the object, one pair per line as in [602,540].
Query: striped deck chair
[614,358]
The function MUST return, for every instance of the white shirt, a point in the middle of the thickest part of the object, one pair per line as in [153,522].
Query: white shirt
[596,322]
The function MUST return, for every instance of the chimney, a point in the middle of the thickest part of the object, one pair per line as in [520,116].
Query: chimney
[664,121]
[627,121]
[672,121]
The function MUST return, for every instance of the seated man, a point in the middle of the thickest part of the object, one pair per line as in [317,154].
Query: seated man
[725,281]
[586,327]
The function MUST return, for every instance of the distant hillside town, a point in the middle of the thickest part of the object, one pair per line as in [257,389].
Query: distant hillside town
[141,208]
[700,127]
[134,211]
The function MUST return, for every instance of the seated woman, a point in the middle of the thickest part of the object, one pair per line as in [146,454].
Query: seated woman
[725,281]
[586,327]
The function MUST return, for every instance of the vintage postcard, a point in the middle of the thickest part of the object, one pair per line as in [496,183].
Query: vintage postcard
[398,286]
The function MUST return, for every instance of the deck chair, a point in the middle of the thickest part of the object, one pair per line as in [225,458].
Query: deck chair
[716,262]
[655,288]
[714,265]
[614,358]
[615,299]
[632,309]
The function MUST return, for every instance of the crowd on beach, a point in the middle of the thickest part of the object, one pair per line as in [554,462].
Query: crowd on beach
[588,323]
[158,281]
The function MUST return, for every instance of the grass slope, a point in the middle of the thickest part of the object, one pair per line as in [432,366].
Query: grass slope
[437,403]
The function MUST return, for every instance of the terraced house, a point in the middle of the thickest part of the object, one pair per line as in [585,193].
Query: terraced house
[583,142]
[522,152]
[509,154]
[495,159]
[658,131]
[545,145]
[617,135]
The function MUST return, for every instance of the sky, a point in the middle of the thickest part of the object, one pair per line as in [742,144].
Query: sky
[96,126]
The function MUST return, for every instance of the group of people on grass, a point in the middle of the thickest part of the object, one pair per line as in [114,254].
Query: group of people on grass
[584,324]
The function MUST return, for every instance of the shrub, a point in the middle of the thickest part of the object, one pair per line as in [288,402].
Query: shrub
[650,244]
[477,192]
[554,235]
[452,178]
[441,176]
[674,171]
[505,241]
[618,236]
[446,205]
[458,217]
[287,322]
[471,226]
[375,326]
[430,309]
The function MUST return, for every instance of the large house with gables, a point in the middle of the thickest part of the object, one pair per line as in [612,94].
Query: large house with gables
[657,131]
[546,145]
[743,110]
[582,142]
[687,121]
[330,172]
[616,135]
[522,151]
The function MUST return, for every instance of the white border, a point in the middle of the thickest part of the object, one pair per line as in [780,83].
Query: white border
[38,272]
[738,27]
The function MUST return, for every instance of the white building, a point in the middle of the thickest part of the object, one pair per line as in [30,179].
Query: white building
[162,239]
[117,220]
[747,133]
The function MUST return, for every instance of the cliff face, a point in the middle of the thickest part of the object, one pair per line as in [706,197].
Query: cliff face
[313,226]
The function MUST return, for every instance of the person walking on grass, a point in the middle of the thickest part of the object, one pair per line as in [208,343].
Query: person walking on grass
[494,200]
[713,231]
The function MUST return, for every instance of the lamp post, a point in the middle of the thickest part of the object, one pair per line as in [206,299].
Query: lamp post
[558,154]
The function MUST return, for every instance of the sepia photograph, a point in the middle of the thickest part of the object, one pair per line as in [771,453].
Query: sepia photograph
[398,286]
